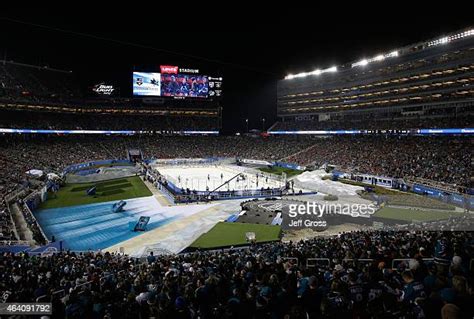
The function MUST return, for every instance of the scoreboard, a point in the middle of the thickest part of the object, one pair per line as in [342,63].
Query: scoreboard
[175,82]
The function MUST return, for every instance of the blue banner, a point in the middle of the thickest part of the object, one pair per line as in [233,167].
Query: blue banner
[465,201]
[428,131]
[289,166]
[123,132]
[50,248]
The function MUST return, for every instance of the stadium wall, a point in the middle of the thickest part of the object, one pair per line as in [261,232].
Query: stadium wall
[454,199]
[289,166]
[458,200]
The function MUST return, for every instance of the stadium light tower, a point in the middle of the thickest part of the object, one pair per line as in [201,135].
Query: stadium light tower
[247,125]
[263,124]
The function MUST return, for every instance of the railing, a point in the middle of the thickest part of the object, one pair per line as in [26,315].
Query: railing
[314,262]
[291,259]
[12,222]
[400,260]
[14,243]
[32,217]
[87,283]
[358,261]
[317,262]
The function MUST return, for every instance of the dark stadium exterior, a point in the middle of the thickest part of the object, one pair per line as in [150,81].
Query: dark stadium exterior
[429,80]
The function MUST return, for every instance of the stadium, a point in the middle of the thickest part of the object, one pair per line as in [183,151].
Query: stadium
[142,192]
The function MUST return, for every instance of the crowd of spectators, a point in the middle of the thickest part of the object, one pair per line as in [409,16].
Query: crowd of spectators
[49,93]
[51,153]
[151,122]
[443,159]
[463,222]
[362,123]
[263,281]
[34,83]
[99,121]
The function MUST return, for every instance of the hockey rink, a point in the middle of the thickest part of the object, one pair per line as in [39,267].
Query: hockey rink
[202,178]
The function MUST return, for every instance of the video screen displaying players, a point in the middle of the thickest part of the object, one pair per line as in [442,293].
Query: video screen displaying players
[171,85]
[146,83]
[184,85]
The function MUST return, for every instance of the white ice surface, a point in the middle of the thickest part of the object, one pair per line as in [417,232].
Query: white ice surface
[200,178]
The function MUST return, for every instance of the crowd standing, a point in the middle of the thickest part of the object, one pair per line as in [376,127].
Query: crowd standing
[443,159]
[261,281]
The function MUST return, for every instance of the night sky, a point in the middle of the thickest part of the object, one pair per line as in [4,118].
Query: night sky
[251,55]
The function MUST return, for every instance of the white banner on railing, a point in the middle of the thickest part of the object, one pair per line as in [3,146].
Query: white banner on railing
[255,162]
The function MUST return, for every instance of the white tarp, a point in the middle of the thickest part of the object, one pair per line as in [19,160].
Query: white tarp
[314,181]
[52,176]
[35,173]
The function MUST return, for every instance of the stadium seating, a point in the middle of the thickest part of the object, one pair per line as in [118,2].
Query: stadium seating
[99,121]
[463,120]
[375,274]
[395,272]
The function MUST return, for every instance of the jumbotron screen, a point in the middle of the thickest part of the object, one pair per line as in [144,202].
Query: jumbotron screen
[174,82]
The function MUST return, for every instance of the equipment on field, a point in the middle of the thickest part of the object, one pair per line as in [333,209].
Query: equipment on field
[140,225]
[91,191]
[118,207]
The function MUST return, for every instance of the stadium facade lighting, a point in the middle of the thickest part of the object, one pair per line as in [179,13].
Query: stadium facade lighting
[381,57]
[457,36]
[360,63]
[315,72]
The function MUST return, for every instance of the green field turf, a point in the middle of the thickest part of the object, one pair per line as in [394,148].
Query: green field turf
[411,214]
[279,170]
[116,189]
[232,234]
